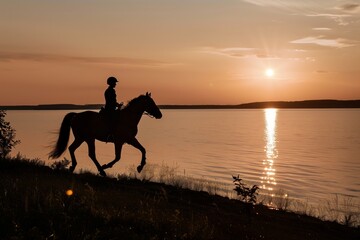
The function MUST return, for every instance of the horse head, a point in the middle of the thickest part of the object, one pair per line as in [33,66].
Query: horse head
[150,107]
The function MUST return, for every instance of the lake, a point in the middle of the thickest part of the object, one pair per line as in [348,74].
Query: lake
[308,154]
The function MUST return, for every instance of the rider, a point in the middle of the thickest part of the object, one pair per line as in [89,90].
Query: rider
[110,95]
[111,105]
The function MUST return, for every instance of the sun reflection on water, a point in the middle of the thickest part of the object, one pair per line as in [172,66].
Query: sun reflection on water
[268,180]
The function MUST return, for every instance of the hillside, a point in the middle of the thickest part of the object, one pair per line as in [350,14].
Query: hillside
[34,205]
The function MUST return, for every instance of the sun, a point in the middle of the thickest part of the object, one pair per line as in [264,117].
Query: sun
[269,72]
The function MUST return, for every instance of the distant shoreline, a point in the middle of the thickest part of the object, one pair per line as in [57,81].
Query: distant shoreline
[253,105]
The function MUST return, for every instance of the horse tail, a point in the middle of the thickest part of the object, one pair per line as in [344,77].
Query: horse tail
[64,135]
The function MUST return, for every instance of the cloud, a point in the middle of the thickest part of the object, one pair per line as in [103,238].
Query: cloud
[276,3]
[321,41]
[312,8]
[256,2]
[255,53]
[340,19]
[237,52]
[343,15]
[321,29]
[349,7]
[10,56]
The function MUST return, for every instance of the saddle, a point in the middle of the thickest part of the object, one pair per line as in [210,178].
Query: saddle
[109,113]
[103,111]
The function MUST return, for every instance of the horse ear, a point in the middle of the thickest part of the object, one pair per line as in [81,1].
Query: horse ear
[150,94]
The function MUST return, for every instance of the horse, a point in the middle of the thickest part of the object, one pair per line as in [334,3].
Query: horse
[89,126]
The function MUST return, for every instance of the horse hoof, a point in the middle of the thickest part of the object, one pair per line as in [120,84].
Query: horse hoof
[71,169]
[139,168]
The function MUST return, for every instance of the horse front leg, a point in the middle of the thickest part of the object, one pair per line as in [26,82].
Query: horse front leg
[135,143]
[118,147]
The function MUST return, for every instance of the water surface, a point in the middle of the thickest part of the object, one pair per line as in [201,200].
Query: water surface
[308,153]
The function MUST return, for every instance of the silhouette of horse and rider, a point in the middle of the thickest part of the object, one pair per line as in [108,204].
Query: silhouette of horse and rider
[115,123]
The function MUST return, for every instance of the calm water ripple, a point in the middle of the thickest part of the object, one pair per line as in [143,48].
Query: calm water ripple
[309,154]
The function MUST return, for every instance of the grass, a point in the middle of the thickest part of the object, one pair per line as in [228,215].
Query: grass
[169,176]
[343,209]
[34,204]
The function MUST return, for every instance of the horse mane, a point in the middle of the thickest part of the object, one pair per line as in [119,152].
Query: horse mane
[133,101]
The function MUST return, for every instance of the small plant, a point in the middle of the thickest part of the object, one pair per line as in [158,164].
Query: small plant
[246,194]
[7,136]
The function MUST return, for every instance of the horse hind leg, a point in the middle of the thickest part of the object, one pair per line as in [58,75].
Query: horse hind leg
[72,149]
[92,155]
[118,147]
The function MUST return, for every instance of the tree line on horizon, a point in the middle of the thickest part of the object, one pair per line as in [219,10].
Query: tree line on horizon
[327,103]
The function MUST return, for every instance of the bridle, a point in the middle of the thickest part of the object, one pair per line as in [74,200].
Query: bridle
[148,114]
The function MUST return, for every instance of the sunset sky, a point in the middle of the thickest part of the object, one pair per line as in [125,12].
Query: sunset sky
[183,51]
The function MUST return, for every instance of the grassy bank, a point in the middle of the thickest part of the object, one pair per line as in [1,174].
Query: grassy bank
[35,204]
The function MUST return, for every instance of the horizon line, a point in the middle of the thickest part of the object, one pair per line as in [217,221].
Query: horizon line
[314,103]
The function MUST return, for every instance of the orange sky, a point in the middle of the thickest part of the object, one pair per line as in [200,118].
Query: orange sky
[183,51]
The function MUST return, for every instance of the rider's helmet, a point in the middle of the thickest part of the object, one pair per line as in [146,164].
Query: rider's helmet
[111,80]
